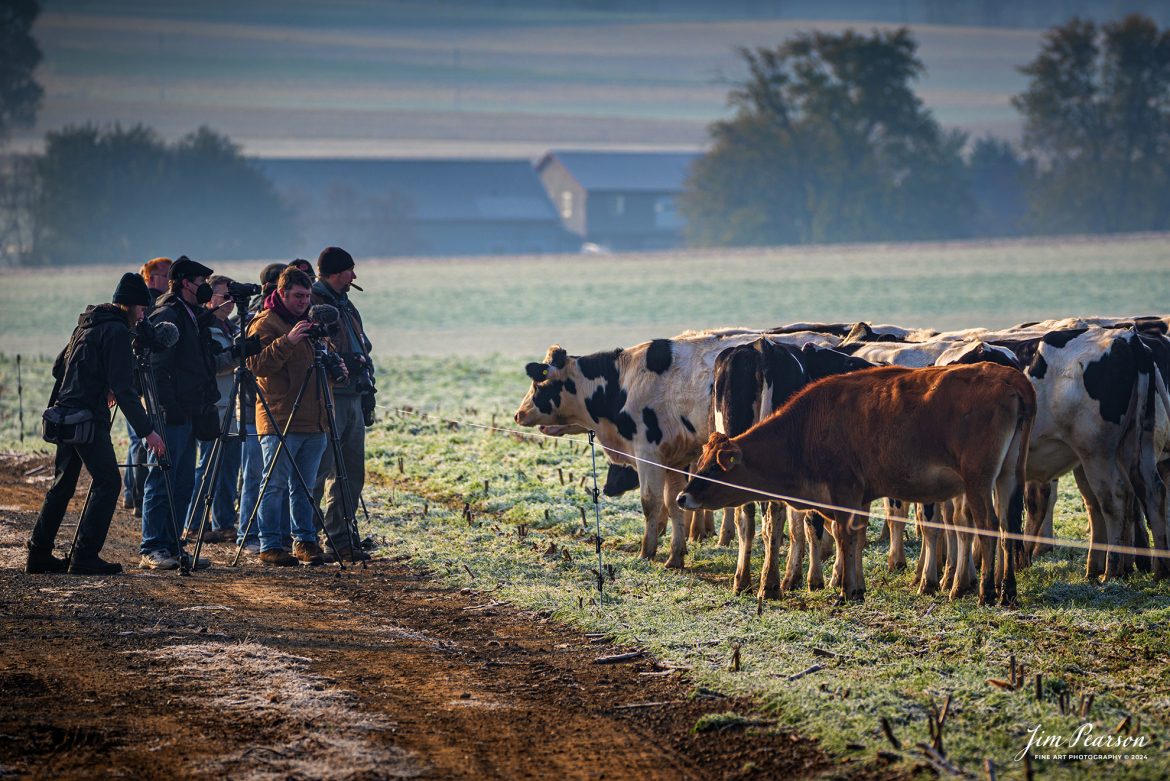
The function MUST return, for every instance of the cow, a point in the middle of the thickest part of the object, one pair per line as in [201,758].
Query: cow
[649,405]
[751,381]
[1101,404]
[919,435]
[649,401]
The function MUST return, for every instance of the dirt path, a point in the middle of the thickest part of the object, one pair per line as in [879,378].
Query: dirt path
[380,673]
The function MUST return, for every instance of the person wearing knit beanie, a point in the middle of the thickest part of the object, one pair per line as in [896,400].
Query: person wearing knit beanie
[333,260]
[131,291]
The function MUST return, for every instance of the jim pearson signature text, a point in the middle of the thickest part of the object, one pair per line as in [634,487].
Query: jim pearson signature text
[1084,737]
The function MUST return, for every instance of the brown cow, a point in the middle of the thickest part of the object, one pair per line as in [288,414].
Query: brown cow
[919,435]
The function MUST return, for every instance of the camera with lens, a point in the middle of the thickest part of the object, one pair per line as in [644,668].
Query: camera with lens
[242,291]
[148,336]
[334,366]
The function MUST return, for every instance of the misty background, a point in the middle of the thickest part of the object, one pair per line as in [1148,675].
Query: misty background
[169,128]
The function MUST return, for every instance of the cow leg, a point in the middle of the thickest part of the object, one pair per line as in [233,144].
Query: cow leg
[773,522]
[923,513]
[1039,502]
[847,527]
[962,580]
[746,530]
[896,512]
[708,524]
[816,549]
[1152,497]
[1109,499]
[796,546]
[674,484]
[949,542]
[727,529]
[981,513]
[651,480]
[928,558]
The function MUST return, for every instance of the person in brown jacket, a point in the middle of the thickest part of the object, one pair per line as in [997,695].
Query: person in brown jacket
[286,358]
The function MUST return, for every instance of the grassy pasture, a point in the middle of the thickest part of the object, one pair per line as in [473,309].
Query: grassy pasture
[452,337]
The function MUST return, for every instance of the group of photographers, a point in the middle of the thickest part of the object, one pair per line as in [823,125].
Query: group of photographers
[175,363]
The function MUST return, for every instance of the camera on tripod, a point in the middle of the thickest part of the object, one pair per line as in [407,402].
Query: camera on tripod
[243,291]
[324,319]
[148,336]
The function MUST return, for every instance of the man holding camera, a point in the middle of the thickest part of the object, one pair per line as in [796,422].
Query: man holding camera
[282,368]
[185,377]
[353,401]
[95,368]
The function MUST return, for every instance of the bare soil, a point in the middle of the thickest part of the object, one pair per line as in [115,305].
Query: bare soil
[379,672]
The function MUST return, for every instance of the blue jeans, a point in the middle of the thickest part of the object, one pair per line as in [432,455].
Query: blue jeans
[284,489]
[223,510]
[251,475]
[132,480]
[157,531]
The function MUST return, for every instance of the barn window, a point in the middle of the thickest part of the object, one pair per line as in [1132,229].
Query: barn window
[566,204]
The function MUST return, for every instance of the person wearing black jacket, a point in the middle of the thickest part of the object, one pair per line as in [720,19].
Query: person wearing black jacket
[95,367]
[335,276]
[184,375]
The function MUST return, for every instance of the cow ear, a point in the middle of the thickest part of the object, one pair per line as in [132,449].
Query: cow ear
[717,440]
[728,456]
[537,371]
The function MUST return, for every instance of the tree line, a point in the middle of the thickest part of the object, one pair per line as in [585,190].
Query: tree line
[829,143]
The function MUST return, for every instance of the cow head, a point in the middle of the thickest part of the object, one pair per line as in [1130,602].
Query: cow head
[822,362]
[545,403]
[721,460]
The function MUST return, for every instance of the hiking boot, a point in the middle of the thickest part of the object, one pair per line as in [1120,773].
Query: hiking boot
[369,544]
[278,557]
[220,535]
[308,553]
[41,561]
[197,564]
[158,559]
[251,547]
[92,564]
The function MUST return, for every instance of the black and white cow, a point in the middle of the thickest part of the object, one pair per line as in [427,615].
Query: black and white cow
[752,381]
[651,401]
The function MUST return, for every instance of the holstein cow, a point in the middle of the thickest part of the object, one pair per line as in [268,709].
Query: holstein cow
[650,401]
[751,381]
[918,435]
[1101,403]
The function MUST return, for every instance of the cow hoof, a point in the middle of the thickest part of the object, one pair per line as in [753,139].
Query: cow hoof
[675,563]
[788,584]
[856,596]
[816,585]
[740,587]
[926,588]
[769,592]
[1008,599]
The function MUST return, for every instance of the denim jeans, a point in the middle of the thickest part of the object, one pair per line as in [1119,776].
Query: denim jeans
[251,475]
[284,489]
[134,477]
[157,531]
[223,510]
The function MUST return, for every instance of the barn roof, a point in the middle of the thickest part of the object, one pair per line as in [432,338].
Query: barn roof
[495,190]
[625,171]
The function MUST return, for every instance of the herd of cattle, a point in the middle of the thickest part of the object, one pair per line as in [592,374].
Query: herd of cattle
[973,427]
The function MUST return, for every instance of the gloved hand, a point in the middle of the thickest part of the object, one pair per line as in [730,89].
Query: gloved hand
[251,346]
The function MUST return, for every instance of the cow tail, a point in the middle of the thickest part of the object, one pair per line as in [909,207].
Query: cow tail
[1023,436]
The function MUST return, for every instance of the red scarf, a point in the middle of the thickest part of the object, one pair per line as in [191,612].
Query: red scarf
[276,304]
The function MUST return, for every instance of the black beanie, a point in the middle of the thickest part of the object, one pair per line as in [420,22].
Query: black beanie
[131,291]
[333,260]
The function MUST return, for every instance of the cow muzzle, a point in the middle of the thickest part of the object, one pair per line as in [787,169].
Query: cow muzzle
[686,501]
